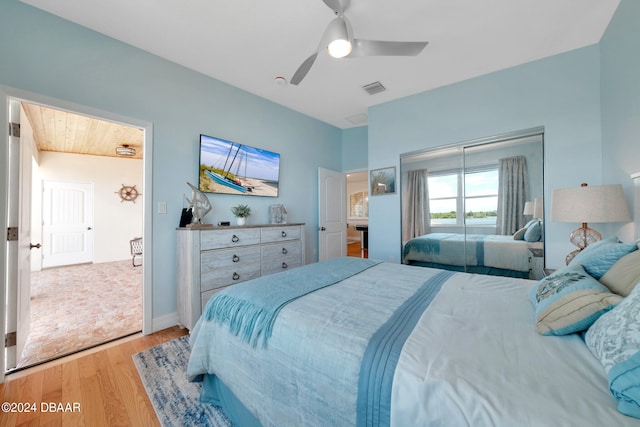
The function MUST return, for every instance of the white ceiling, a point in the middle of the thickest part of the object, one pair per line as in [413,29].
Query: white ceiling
[247,43]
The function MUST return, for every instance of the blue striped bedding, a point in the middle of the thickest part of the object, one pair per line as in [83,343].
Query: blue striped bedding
[471,250]
[323,352]
[338,357]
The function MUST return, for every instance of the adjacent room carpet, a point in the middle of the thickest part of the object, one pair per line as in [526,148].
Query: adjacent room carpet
[163,370]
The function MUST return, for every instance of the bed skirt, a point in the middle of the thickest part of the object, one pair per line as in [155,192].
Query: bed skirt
[215,392]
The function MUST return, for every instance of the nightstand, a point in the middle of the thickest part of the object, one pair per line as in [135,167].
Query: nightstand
[536,261]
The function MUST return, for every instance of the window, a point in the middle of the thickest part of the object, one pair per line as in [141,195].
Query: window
[443,199]
[479,205]
[481,197]
[359,204]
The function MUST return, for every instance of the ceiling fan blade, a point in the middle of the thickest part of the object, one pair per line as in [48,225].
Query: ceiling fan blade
[303,69]
[384,48]
[338,6]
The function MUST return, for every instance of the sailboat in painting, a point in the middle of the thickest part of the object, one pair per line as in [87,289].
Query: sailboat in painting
[231,168]
[224,178]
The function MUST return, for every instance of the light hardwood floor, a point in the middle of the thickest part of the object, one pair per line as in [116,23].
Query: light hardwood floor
[354,250]
[103,381]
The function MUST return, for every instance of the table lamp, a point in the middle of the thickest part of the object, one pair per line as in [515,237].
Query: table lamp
[584,204]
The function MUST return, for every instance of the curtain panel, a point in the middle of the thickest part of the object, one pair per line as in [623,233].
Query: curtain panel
[513,192]
[415,196]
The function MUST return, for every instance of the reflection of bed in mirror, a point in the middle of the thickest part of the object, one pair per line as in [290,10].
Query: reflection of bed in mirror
[477,253]
[465,207]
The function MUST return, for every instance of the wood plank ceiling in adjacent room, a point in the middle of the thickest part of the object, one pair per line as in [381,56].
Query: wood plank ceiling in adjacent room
[66,132]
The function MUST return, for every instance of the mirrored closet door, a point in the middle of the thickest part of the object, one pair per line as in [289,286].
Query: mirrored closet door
[476,207]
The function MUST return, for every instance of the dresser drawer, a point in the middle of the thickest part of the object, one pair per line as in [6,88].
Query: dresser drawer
[227,266]
[277,234]
[213,239]
[281,256]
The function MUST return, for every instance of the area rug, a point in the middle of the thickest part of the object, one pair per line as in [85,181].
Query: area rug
[163,370]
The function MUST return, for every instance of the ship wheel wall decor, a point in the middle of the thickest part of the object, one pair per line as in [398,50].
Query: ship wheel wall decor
[128,193]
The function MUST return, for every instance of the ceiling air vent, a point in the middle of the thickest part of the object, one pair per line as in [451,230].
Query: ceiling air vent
[373,88]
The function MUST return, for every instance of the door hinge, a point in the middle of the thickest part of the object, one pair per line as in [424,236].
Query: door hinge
[10,339]
[14,129]
[12,234]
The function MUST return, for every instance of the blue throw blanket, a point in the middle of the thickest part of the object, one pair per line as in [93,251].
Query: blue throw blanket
[383,352]
[250,308]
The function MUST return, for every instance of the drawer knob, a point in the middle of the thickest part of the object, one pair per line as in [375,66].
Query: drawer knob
[235,258]
[235,239]
[236,276]
[284,234]
[284,250]
[284,265]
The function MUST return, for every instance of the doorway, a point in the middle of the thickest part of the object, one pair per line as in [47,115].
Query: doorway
[81,266]
[357,214]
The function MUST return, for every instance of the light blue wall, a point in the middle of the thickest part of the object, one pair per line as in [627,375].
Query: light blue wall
[354,149]
[561,93]
[620,51]
[45,55]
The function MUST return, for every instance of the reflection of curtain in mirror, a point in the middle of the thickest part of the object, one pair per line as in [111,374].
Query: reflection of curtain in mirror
[415,197]
[513,193]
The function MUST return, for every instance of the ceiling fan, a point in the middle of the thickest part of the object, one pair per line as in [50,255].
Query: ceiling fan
[339,41]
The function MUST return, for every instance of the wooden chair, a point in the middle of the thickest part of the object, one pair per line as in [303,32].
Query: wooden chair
[136,250]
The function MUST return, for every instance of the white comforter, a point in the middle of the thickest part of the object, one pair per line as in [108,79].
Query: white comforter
[474,359]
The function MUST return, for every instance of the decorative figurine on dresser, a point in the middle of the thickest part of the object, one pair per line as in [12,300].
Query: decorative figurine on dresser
[199,205]
[213,258]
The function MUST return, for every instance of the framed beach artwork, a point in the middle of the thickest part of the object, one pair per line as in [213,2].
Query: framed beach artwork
[383,181]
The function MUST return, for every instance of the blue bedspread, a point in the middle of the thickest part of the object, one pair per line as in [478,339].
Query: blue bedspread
[446,248]
[309,372]
[250,308]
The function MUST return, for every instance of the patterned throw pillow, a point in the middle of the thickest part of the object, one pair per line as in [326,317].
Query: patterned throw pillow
[614,339]
[570,301]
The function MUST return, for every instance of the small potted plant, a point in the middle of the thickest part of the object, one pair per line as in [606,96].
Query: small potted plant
[241,212]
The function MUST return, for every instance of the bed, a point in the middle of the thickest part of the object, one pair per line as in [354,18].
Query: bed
[478,253]
[381,343]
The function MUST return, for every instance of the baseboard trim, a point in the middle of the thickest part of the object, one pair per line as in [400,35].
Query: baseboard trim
[164,322]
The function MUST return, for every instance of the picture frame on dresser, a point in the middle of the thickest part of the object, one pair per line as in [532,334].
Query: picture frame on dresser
[209,260]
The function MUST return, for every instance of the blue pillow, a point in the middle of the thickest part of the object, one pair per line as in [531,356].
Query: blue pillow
[534,232]
[614,339]
[598,258]
[569,300]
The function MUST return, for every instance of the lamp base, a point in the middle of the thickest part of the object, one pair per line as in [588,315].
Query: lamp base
[582,237]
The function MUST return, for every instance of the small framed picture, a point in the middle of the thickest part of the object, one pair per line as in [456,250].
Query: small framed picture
[383,181]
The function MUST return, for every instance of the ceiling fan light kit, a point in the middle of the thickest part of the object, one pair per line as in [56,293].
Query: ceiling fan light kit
[339,44]
[339,41]
[125,150]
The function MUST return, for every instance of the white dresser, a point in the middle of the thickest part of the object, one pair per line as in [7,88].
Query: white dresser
[210,259]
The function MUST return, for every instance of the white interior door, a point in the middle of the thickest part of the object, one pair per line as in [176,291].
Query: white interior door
[67,223]
[332,199]
[19,247]
[25,245]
